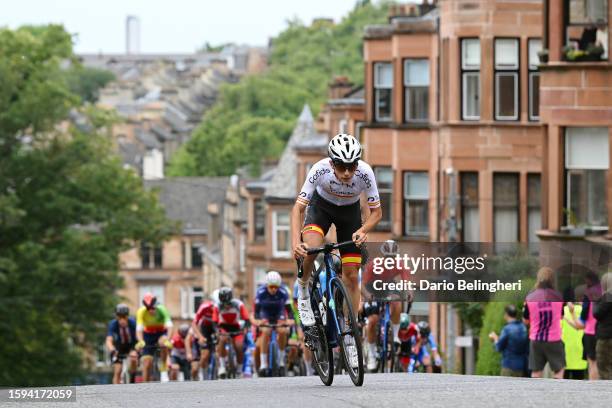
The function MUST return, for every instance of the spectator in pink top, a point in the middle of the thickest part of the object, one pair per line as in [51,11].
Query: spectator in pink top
[543,312]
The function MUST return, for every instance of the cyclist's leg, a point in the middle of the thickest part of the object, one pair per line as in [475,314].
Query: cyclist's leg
[265,345]
[316,224]
[174,368]
[147,355]
[164,354]
[117,366]
[370,310]
[396,310]
[283,335]
[133,364]
[347,222]
[238,341]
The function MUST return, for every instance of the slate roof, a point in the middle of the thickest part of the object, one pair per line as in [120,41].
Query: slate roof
[283,183]
[186,199]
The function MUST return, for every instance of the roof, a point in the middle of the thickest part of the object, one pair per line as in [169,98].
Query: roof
[283,183]
[355,97]
[186,199]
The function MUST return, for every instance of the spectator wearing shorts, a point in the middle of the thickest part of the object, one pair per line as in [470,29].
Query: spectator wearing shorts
[575,365]
[543,312]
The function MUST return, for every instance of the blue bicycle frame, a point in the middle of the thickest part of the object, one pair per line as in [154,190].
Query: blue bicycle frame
[324,279]
[384,326]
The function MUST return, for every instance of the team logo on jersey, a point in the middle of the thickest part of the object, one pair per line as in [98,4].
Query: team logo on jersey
[318,173]
[364,177]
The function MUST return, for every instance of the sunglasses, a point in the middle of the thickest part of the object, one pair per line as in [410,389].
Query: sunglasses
[341,166]
[272,287]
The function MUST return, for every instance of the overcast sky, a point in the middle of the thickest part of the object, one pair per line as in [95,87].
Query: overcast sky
[169,25]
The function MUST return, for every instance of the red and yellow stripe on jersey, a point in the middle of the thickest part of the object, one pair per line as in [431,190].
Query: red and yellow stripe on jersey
[351,260]
[309,228]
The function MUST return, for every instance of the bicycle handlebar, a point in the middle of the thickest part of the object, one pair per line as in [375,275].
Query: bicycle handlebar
[327,248]
[274,326]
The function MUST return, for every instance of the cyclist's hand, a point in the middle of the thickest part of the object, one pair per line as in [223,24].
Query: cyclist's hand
[360,237]
[202,341]
[299,251]
[438,362]
[168,344]
[290,322]
[189,357]
[140,345]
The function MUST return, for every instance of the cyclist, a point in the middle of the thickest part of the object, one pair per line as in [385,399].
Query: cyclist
[204,327]
[233,317]
[152,325]
[120,342]
[178,356]
[424,346]
[371,310]
[330,195]
[272,304]
[408,333]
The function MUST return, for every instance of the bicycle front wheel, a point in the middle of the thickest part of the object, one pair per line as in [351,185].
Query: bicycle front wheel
[348,336]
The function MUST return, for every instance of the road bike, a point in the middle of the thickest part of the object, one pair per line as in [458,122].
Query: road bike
[275,368]
[335,320]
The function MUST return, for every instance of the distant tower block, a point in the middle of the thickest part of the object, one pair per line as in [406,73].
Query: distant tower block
[132,35]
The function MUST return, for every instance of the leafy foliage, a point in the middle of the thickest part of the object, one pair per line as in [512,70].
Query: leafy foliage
[303,59]
[86,82]
[67,209]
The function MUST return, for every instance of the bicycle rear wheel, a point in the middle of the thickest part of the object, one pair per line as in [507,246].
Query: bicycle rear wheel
[348,338]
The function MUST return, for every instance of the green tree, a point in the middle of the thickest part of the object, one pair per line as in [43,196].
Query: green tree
[304,58]
[87,82]
[67,209]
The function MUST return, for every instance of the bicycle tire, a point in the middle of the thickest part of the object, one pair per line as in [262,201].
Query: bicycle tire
[341,298]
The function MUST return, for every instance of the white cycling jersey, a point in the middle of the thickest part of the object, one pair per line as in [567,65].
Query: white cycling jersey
[322,178]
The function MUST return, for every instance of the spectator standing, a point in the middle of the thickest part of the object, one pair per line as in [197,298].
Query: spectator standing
[543,312]
[575,365]
[513,343]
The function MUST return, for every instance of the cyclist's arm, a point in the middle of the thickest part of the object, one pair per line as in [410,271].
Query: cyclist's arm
[297,219]
[373,219]
[140,323]
[166,317]
[109,343]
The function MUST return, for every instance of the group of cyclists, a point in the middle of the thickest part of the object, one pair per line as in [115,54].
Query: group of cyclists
[222,331]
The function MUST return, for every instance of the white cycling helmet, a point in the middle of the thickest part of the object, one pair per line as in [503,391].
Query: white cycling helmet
[345,148]
[389,248]
[273,278]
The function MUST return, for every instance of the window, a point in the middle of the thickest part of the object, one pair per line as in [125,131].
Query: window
[416,203]
[384,181]
[145,255]
[586,164]
[260,219]
[416,90]
[470,79]
[383,91]
[534,45]
[196,256]
[588,11]
[190,301]
[280,234]
[534,206]
[506,207]
[151,257]
[470,214]
[358,128]
[259,277]
[157,290]
[507,79]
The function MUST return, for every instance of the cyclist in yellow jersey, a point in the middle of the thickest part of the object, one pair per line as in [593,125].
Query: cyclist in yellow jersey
[152,325]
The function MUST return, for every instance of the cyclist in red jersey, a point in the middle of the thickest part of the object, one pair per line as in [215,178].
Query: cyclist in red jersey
[204,327]
[372,309]
[233,317]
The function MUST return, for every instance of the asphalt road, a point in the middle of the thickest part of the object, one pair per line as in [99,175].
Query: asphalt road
[379,390]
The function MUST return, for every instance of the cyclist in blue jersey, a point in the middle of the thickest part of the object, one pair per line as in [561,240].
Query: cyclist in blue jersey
[272,306]
[425,346]
[120,342]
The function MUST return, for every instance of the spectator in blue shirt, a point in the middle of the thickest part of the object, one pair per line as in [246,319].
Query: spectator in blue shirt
[513,343]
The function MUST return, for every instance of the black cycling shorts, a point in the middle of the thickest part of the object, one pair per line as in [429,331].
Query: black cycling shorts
[321,214]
